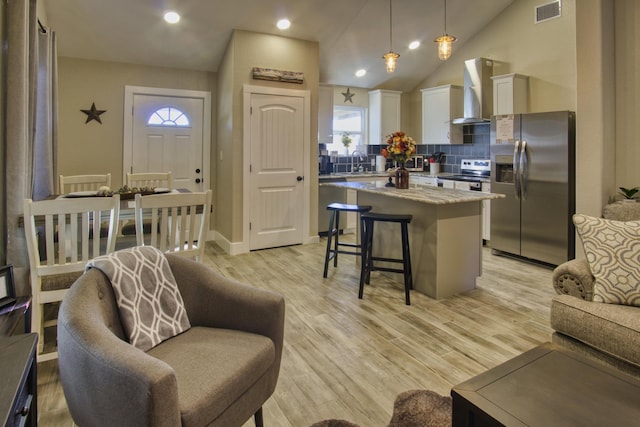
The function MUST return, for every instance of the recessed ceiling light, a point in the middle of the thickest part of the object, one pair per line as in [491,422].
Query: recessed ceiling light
[361,72]
[283,24]
[414,45]
[171,17]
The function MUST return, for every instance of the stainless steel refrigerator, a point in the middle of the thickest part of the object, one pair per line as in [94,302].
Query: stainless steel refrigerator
[533,165]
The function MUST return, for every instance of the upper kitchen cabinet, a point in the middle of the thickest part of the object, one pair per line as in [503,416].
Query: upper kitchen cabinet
[510,94]
[384,114]
[325,114]
[440,105]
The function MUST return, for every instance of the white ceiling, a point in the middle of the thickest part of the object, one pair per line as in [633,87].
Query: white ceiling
[352,34]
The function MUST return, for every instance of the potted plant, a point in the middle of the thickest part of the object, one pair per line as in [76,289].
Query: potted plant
[629,194]
[346,141]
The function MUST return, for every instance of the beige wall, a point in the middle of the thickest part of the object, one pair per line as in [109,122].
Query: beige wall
[627,91]
[545,52]
[245,51]
[94,147]
[3,182]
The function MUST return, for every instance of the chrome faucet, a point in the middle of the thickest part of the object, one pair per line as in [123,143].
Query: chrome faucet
[361,158]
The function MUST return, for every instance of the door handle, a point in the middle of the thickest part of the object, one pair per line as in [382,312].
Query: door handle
[516,169]
[198,170]
[524,170]
[299,178]
[198,181]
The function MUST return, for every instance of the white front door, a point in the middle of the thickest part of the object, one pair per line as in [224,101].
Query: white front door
[167,133]
[276,170]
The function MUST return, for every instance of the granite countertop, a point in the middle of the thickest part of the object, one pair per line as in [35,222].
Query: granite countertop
[422,194]
[357,175]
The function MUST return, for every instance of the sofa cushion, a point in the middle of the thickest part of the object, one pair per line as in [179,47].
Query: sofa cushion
[613,252]
[214,362]
[612,329]
[149,301]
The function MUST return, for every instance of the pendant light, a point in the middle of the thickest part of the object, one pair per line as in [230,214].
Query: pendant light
[445,41]
[391,57]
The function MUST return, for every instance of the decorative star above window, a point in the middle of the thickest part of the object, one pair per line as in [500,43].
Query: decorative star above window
[348,96]
[93,113]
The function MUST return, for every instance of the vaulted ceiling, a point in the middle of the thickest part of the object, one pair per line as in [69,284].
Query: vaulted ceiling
[352,34]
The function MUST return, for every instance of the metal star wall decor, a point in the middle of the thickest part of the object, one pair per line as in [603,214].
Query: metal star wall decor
[93,113]
[348,96]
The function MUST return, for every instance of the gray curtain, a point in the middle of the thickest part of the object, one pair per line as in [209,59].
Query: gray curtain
[28,109]
[46,131]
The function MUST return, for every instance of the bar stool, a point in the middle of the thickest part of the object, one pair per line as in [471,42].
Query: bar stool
[368,220]
[334,234]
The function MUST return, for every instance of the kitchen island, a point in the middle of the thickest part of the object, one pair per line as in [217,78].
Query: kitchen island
[445,235]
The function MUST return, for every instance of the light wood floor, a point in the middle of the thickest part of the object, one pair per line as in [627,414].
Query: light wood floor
[348,358]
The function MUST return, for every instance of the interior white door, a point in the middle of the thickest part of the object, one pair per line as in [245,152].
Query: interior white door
[168,136]
[276,211]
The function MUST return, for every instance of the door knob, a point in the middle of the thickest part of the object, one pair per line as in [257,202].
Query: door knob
[299,178]
[198,170]
[197,180]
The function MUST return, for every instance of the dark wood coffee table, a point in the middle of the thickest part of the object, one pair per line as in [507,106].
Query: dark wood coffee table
[548,386]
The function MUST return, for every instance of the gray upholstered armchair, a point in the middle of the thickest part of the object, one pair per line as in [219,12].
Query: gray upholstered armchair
[217,373]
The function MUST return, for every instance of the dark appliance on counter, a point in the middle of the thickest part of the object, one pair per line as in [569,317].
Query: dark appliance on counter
[533,165]
[325,166]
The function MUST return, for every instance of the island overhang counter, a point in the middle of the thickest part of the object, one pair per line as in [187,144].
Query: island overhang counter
[445,235]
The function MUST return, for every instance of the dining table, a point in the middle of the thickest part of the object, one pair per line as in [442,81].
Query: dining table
[127,202]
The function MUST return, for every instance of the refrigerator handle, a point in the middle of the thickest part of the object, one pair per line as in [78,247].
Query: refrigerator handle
[524,170]
[516,169]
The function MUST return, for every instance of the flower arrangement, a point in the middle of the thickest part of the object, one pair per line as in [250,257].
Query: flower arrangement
[400,147]
[346,139]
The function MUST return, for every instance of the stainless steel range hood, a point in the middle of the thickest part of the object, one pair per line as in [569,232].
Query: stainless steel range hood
[478,91]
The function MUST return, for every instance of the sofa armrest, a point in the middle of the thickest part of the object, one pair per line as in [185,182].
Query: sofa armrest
[574,278]
[127,383]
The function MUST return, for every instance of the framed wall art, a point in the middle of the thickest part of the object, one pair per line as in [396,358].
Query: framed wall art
[7,286]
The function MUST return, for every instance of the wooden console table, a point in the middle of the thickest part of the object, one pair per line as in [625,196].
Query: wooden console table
[18,389]
[548,386]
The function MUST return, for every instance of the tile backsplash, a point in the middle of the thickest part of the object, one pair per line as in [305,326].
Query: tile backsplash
[475,146]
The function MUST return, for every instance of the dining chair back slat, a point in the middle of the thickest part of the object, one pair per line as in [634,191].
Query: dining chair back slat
[150,179]
[59,249]
[72,183]
[179,222]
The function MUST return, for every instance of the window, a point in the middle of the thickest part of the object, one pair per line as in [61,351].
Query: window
[168,116]
[352,120]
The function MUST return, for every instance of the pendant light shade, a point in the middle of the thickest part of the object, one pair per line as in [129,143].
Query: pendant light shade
[390,61]
[391,57]
[444,41]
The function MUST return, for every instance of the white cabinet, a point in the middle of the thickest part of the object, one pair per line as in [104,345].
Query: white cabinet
[510,94]
[325,114]
[440,105]
[384,114]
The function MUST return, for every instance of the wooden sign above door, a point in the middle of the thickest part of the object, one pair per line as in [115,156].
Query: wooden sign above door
[277,75]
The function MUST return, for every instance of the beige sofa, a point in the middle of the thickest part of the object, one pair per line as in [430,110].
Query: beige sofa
[607,332]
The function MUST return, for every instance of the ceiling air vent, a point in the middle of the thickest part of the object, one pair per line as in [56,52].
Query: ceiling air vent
[548,11]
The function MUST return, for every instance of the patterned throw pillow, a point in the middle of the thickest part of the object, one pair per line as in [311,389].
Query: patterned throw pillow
[149,301]
[613,253]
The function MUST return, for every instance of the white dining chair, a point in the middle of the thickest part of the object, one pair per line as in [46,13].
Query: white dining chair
[150,179]
[62,235]
[179,222]
[145,179]
[72,183]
